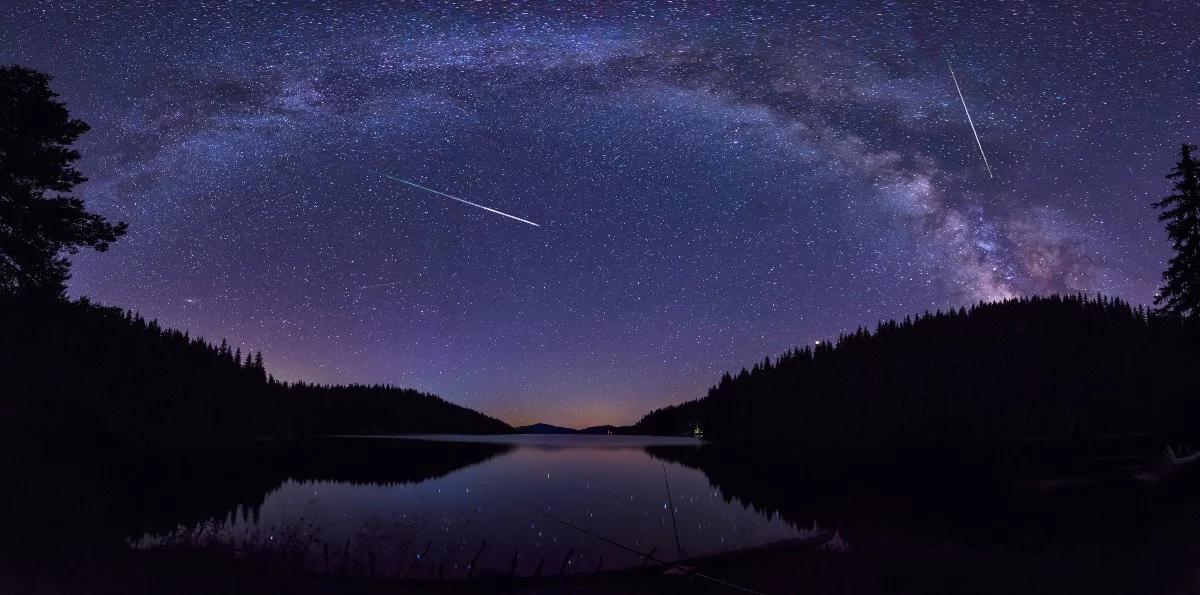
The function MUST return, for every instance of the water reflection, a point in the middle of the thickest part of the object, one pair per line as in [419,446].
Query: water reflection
[424,507]
[906,514]
[383,461]
[397,502]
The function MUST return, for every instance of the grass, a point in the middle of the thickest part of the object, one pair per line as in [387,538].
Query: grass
[377,549]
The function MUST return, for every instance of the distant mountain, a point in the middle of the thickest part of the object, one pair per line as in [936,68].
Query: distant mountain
[540,428]
[1070,370]
[613,430]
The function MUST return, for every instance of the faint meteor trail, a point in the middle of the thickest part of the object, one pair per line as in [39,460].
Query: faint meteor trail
[377,285]
[464,201]
[969,120]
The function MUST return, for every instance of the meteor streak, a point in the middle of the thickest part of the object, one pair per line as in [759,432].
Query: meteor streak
[377,285]
[969,120]
[488,209]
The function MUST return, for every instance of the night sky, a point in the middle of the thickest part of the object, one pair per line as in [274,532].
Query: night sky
[714,182]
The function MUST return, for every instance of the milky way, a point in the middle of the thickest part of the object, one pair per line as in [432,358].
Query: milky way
[715,182]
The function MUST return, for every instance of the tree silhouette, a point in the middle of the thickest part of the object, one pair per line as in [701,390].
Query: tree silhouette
[1181,210]
[39,222]
[87,370]
[1072,370]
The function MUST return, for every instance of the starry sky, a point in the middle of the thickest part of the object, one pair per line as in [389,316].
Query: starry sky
[714,182]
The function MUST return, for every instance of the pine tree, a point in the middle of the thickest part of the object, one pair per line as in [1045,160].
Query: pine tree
[39,220]
[1180,295]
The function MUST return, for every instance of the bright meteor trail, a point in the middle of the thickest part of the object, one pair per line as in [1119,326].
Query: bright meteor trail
[969,120]
[490,210]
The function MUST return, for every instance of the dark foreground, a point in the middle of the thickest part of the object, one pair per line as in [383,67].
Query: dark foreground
[869,567]
[886,525]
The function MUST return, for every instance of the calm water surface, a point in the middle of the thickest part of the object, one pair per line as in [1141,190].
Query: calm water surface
[499,495]
[426,506]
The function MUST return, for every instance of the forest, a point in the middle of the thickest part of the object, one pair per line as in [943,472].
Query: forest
[88,370]
[1064,369]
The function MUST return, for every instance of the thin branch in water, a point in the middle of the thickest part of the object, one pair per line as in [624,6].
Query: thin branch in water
[420,556]
[566,561]
[650,556]
[471,567]
[671,503]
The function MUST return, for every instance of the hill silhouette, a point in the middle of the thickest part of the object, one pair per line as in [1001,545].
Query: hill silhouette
[1060,369]
[541,428]
[78,368]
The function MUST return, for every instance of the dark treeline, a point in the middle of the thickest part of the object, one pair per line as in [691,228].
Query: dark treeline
[74,367]
[357,409]
[1068,369]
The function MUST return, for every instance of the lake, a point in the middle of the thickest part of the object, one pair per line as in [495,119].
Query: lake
[419,505]
[424,507]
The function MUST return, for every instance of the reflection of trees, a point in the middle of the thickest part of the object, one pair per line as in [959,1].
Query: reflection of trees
[929,500]
[116,495]
[383,461]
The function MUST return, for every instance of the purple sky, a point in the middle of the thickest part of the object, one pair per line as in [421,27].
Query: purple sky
[714,182]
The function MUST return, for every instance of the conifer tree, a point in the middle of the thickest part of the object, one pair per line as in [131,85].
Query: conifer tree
[39,220]
[1180,294]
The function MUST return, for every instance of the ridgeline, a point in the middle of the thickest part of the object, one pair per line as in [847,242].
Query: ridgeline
[1069,370]
[75,367]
